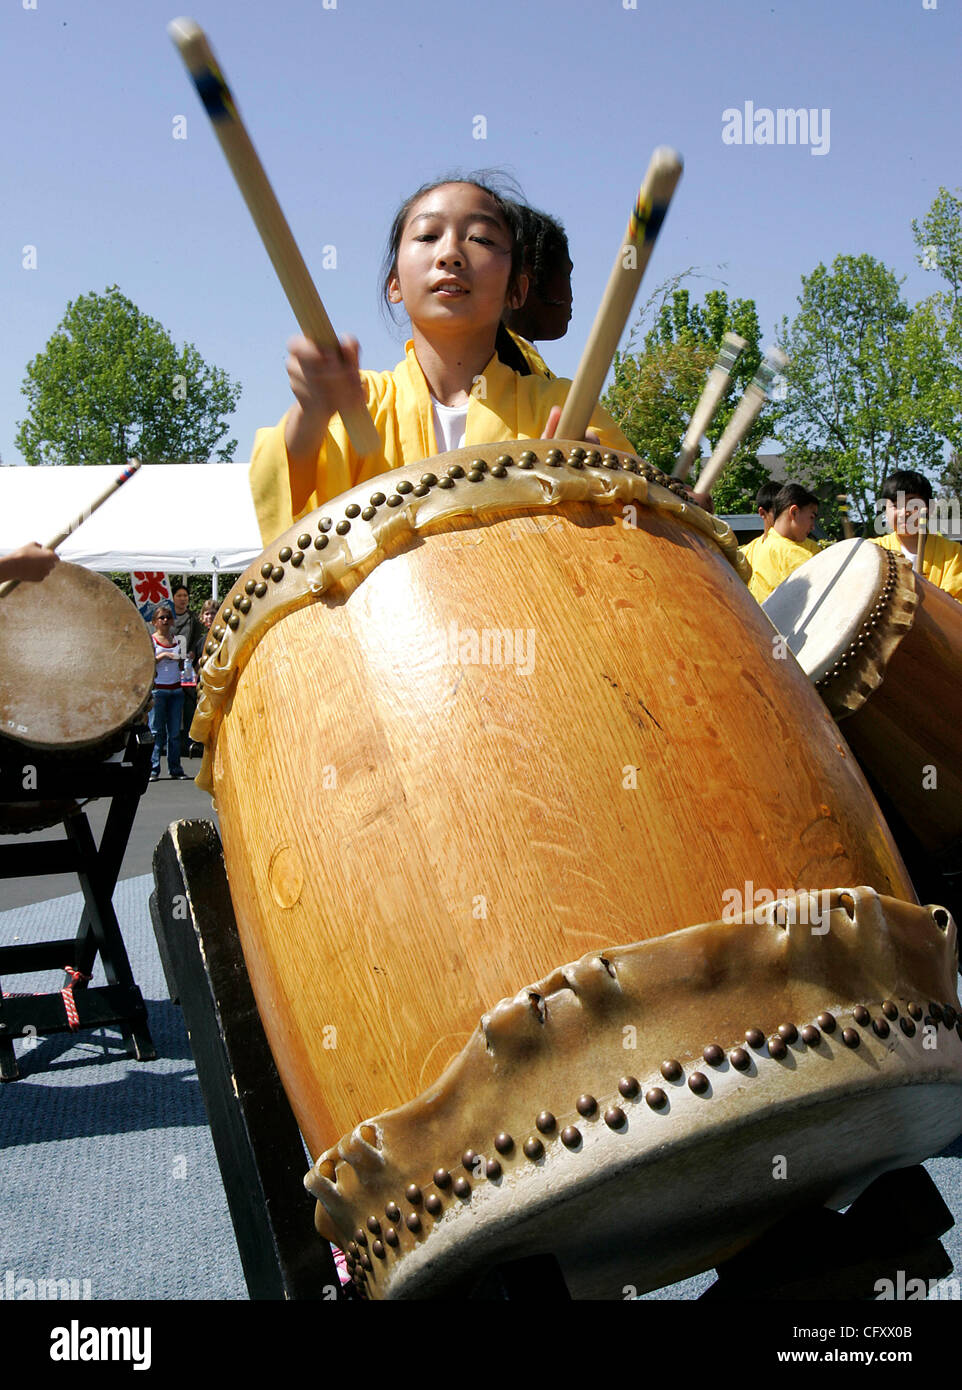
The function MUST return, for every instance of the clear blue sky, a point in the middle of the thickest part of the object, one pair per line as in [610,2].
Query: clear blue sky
[352,107]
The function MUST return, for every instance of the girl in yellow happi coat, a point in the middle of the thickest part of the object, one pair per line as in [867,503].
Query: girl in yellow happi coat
[455,262]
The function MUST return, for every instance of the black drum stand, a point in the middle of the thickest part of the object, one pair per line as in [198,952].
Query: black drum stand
[62,784]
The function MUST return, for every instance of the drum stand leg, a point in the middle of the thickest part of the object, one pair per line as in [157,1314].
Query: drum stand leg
[119,1003]
[891,1232]
[258,1145]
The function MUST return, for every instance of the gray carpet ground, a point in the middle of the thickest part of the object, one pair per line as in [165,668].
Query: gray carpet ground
[109,1173]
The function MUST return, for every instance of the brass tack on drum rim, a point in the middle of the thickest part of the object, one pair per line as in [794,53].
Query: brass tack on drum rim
[377,499]
[391,1236]
[429,479]
[342,528]
[245,605]
[413,1193]
[285,554]
[570,1137]
[528,456]
[586,1105]
[368,513]
[249,587]
[277,574]
[546,1122]
[433,1204]
[261,589]
[304,540]
[755,1038]
[377,1249]
[421,490]
[826,1022]
[412,1221]
[394,500]
[739,1059]
[554,458]
[935,1012]
[861,1015]
[297,559]
[392,1211]
[352,510]
[890,1009]
[788,1032]
[593,459]
[455,471]
[475,476]
[266,568]
[915,1010]
[713,1055]
[325,523]
[615,1117]
[360,1237]
[404,486]
[445,482]
[462,1188]
[811,1037]
[907,1026]
[671,1070]
[442,1178]
[777,1047]
[880,1027]
[575,462]
[499,471]
[698,1082]
[492,1170]
[533,1148]
[468,1159]
[504,1143]
[373,1225]
[629,1087]
[504,461]
[234,622]
[656,1098]
[237,600]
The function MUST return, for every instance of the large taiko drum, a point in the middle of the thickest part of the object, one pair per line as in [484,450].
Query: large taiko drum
[514,708]
[884,648]
[76,670]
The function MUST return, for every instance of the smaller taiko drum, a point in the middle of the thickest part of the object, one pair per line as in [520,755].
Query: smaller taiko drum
[883,647]
[76,670]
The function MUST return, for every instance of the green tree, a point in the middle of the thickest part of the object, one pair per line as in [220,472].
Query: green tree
[111,385]
[938,238]
[860,377]
[654,392]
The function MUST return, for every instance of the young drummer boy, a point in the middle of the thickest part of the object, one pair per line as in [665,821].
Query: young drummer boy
[765,506]
[905,493]
[788,543]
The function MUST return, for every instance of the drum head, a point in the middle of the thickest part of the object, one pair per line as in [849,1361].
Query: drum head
[820,608]
[76,661]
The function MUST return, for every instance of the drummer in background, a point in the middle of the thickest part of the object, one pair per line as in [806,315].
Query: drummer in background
[546,311]
[788,543]
[168,706]
[455,261]
[765,506]
[905,492]
[29,564]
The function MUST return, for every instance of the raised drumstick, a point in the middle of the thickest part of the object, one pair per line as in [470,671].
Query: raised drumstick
[265,209]
[663,174]
[719,379]
[756,394]
[61,536]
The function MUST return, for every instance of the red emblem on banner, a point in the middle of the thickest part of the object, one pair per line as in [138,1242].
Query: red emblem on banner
[150,587]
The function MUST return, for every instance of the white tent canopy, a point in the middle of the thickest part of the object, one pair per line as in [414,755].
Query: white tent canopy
[180,518]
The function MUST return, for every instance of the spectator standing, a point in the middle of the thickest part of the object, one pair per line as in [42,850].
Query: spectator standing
[168,707]
[187,627]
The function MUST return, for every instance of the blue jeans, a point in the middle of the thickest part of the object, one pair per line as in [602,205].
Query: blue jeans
[165,727]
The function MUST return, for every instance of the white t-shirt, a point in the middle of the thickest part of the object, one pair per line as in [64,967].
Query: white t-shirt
[449,423]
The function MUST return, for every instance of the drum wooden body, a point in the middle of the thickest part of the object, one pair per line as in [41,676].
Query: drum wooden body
[884,647]
[412,831]
[76,670]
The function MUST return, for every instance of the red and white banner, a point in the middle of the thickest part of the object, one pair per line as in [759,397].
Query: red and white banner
[150,587]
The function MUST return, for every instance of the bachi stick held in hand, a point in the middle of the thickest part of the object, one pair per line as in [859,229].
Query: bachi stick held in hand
[756,394]
[61,536]
[265,209]
[719,380]
[663,174]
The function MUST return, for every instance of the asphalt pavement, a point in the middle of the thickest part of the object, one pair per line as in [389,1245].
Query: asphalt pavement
[161,803]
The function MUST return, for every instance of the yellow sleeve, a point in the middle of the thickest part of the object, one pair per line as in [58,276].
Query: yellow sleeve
[948,563]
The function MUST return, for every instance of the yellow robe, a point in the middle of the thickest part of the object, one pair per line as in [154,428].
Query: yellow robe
[774,560]
[532,356]
[509,407]
[941,562]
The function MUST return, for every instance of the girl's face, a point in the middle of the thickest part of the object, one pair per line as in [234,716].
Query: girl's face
[454,261]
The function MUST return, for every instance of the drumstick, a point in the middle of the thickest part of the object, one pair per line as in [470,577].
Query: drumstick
[61,536]
[644,224]
[719,379]
[923,532]
[756,394]
[266,211]
[848,528]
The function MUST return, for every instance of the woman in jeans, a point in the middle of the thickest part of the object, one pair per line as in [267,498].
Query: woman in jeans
[168,703]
